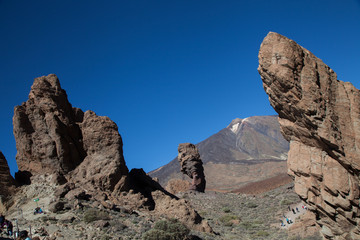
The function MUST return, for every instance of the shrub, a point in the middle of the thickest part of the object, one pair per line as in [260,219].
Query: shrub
[285,202]
[170,229]
[93,214]
[262,234]
[251,205]
[227,219]
[226,210]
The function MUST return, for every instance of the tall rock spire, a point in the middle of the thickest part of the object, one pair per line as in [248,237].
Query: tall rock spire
[320,116]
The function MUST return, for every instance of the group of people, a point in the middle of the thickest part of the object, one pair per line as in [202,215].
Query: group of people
[6,226]
[288,219]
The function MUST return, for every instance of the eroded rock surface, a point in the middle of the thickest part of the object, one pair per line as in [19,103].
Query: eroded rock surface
[79,157]
[192,165]
[48,139]
[320,116]
[7,182]
[104,166]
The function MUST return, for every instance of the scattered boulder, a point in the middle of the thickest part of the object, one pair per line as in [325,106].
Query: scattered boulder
[175,186]
[320,116]
[56,206]
[192,166]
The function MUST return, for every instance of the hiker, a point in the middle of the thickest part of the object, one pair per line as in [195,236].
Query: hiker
[38,210]
[23,235]
[297,209]
[287,220]
[9,227]
[293,211]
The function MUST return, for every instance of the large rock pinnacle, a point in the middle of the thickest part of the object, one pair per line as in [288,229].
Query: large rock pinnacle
[48,139]
[192,165]
[320,116]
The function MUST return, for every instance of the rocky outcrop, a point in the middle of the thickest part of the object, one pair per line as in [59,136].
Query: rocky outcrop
[7,182]
[175,186]
[320,116]
[192,165]
[81,153]
[104,166]
[48,138]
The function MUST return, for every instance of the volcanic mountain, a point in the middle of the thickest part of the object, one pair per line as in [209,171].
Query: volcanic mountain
[246,151]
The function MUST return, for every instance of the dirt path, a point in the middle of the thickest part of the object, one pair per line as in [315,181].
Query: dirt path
[290,215]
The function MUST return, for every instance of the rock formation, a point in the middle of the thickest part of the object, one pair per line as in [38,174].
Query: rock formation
[247,150]
[104,166]
[7,182]
[320,116]
[192,165]
[82,154]
[48,138]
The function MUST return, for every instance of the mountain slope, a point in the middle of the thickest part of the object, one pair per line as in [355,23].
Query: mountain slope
[247,150]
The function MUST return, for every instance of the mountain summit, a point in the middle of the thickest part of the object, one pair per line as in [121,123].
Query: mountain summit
[247,150]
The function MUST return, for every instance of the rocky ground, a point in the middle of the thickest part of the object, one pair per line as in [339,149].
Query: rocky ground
[231,215]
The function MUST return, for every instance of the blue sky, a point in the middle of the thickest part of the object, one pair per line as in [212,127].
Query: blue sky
[166,72]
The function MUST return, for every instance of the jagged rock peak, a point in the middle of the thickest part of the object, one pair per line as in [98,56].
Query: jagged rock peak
[320,116]
[47,137]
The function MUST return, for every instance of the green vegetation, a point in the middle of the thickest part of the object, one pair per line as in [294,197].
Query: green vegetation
[170,229]
[226,209]
[227,220]
[93,214]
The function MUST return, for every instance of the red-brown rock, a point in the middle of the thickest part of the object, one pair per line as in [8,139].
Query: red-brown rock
[7,182]
[48,139]
[104,166]
[192,165]
[320,116]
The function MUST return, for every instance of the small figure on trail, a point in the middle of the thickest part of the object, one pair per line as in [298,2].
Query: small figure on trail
[293,211]
[38,210]
[297,209]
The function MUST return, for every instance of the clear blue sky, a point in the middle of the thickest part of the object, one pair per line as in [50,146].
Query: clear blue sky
[166,71]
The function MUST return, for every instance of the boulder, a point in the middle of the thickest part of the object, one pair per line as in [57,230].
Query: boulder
[192,166]
[320,116]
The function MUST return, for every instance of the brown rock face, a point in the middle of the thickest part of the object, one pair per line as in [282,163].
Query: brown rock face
[7,181]
[48,139]
[192,165]
[320,116]
[84,150]
[104,166]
